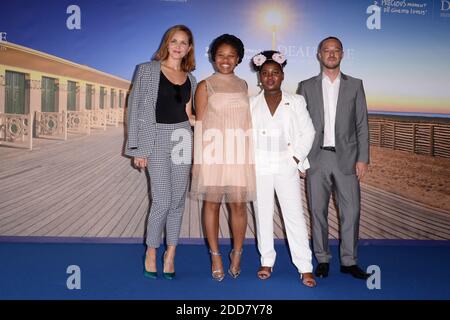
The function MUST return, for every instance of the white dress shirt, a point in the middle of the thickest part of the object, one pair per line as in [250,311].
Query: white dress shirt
[278,138]
[330,91]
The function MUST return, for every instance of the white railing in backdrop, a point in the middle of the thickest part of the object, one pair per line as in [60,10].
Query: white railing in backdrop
[79,122]
[51,124]
[112,117]
[98,119]
[121,113]
[16,130]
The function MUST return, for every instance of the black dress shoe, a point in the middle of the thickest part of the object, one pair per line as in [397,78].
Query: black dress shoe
[322,270]
[355,271]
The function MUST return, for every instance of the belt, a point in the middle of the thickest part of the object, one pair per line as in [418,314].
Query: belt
[333,149]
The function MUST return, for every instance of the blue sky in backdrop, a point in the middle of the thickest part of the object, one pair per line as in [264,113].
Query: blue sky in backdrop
[405,64]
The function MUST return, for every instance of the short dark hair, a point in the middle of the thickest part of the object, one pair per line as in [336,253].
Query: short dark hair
[269,59]
[326,39]
[229,39]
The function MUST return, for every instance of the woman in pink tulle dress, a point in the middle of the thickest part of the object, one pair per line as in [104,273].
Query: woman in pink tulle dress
[223,151]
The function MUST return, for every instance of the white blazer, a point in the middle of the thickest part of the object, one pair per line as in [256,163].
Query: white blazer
[298,130]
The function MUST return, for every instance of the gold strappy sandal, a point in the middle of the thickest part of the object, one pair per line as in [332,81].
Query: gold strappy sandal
[217,274]
[234,273]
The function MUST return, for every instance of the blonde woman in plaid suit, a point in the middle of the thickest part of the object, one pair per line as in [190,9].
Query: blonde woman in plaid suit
[160,138]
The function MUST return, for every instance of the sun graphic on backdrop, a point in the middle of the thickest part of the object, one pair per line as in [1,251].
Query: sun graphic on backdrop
[273,17]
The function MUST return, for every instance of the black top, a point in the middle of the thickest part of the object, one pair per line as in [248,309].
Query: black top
[172,99]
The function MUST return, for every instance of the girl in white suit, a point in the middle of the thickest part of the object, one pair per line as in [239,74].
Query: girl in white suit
[283,133]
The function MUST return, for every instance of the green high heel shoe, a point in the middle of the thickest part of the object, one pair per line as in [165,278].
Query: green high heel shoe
[168,275]
[150,274]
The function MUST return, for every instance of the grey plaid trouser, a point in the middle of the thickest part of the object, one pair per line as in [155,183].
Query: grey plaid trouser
[168,181]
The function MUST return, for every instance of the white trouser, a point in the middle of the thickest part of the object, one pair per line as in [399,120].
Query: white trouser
[287,186]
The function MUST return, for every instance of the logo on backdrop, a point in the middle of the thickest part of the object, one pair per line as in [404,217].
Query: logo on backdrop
[73,22]
[401,7]
[74,280]
[374,281]
[374,20]
[445,9]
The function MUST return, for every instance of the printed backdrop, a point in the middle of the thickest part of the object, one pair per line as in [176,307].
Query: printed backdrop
[80,185]
[399,48]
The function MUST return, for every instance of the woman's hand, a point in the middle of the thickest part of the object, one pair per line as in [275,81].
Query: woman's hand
[140,163]
[192,120]
[191,116]
[301,174]
[201,100]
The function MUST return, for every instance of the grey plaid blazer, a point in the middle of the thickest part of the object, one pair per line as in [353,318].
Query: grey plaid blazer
[141,118]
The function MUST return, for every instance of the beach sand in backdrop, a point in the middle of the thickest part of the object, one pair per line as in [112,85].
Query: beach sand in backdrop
[417,177]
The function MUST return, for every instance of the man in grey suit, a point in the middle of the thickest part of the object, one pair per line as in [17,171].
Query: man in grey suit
[339,156]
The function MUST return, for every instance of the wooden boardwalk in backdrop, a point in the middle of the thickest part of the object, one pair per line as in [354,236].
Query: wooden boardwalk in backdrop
[84,187]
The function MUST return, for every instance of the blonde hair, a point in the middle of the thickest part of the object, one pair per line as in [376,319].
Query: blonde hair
[188,62]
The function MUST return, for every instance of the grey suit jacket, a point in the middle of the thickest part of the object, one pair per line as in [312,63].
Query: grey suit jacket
[351,129]
[141,118]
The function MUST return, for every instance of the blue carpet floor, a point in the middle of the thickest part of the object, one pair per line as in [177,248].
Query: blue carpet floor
[416,270]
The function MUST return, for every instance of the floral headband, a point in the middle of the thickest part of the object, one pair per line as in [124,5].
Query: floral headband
[259,59]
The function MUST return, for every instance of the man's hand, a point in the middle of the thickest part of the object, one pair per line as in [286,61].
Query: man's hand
[361,170]
[140,163]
